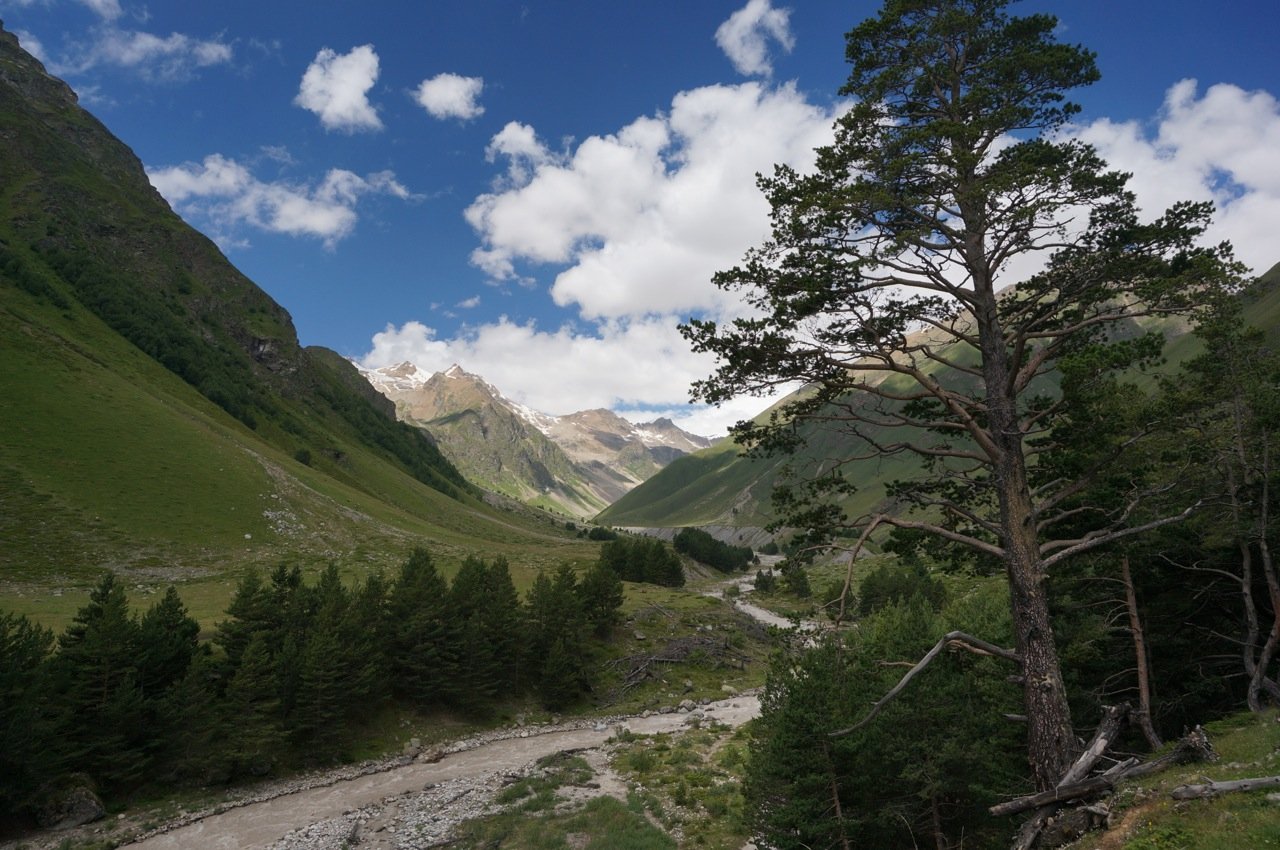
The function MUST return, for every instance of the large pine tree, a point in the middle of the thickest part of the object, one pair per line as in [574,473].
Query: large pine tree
[887,287]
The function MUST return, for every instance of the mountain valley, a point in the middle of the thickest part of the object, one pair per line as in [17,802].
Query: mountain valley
[576,464]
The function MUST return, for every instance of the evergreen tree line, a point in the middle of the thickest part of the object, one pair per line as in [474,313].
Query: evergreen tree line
[642,559]
[705,549]
[130,701]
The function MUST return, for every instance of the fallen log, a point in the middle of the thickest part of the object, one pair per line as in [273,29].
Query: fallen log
[1194,746]
[1061,794]
[1073,783]
[1107,729]
[1213,789]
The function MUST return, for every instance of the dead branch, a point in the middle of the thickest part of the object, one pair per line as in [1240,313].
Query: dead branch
[1143,714]
[853,562]
[1108,728]
[1212,789]
[960,639]
[1060,794]
[1194,746]
[1073,783]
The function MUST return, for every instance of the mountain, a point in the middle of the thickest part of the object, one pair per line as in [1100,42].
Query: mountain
[722,487]
[577,464]
[158,413]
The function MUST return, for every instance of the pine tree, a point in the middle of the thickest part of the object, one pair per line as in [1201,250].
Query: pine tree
[248,614]
[367,635]
[560,682]
[559,651]
[29,750]
[192,746]
[325,662]
[167,639]
[96,676]
[250,709]
[885,288]
[601,594]
[424,657]
[504,621]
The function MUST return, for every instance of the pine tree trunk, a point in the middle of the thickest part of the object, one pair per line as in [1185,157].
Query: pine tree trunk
[1051,744]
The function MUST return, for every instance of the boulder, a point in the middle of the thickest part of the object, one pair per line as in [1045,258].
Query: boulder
[70,806]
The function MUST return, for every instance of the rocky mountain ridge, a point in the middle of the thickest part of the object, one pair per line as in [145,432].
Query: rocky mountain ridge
[577,463]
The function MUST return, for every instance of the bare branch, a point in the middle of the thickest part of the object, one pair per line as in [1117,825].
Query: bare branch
[962,639]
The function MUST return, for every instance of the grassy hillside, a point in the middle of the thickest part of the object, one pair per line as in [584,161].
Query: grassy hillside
[723,486]
[111,461]
[158,415]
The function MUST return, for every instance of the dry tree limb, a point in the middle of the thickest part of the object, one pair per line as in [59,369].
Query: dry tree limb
[853,562]
[1194,746]
[960,639]
[1112,717]
[1073,783]
[1212,789]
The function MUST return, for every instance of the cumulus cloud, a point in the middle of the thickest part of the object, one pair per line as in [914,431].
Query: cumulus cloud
[170,58]
[746,35]
[108,10]
[636,222]
[451,96]
[225,196]
[32,45]
[336,88]
[1222,145]
[523,151]
[642,218]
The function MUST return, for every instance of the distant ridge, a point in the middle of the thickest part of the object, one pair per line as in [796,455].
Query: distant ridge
[576,464]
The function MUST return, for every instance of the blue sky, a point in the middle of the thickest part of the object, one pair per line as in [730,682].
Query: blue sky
[540,191]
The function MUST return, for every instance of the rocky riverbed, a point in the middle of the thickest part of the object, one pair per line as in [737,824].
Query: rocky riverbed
[411,801]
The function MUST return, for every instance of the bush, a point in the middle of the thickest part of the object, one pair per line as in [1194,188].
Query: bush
[894,583]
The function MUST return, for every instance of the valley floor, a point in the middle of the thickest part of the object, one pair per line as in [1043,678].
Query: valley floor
[408,802]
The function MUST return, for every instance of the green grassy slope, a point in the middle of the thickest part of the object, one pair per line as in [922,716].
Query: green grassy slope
[157,414]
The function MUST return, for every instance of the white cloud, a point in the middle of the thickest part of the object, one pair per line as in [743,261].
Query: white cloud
[170,58]
[745,37]
[224,195]
[469,303]
[524,152]
[641,366]
[643,218]
[336,87]
[1221,146]
[32,45]
[639,220]
[451,96]
[635,222]
[108,10]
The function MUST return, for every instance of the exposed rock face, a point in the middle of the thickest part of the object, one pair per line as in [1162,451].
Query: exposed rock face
[579,463]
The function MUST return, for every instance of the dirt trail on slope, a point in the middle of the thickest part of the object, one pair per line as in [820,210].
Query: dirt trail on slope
[475,773]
